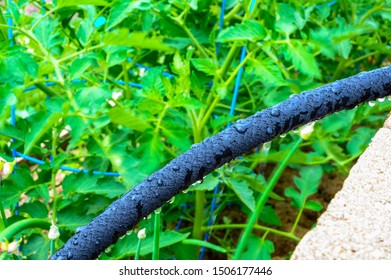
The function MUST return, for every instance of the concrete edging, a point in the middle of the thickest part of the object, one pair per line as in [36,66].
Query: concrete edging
[357,222]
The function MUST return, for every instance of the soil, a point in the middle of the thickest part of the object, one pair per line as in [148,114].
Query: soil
[283,247]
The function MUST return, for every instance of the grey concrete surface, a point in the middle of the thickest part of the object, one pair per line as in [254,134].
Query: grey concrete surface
[357,222]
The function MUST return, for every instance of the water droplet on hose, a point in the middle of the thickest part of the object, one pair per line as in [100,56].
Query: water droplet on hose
[75,242]
[275,112]
[240,128]
[158,210]
[175,168]
[381,99]
[193,146]
[269,130]
[160,182]
[149,179]
[185,190]
[69,256]
[171,200]
[371,103]
[97,243]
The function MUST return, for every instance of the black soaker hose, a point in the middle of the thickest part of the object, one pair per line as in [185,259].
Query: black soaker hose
[246,134]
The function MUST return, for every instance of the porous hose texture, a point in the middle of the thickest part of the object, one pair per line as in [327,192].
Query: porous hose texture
[240,138]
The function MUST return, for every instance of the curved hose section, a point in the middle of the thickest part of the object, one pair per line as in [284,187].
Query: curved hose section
[238,139]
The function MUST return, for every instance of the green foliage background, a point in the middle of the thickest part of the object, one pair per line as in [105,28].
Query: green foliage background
[84,118]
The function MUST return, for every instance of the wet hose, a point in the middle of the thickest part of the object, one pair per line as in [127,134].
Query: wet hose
[238,139]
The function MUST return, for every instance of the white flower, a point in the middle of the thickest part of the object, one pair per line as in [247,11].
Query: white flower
[141,234]
[306,131]
[53,232]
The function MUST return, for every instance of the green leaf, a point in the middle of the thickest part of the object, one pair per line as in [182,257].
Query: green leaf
[302,59]
[140,40]
[243,191]
[34,209]
[313,205]
[270,216]
[40,124]
[79,66]
[69,3]
[12,132]
[208,184]
[126,164]
[248,30]
[48,33]
[258,249]
[360,140]
[36,248]
[208,66]
[127,246]
[92,99]
[265,71]
[122,9]
[321,38]
[107,187]
[151,153]
[307,184]
[127,118]
[71,218]
[84,31]
[80,181]
[77,131]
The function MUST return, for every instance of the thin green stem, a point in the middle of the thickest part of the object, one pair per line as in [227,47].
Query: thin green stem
[128,92]
[138,249]
[370,12]
[256,226]
[199,214]
[156,237]
[297,220]
[3,220]
[53,173]
[76,54]
[228,61]
[17,227]
[262,201]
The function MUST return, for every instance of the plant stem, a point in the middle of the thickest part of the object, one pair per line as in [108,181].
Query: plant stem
[256,226]
[297,220]
[3,220]
[53,173]
[16,227]
[261,202]
[156,237]
[128,92]
[137,255]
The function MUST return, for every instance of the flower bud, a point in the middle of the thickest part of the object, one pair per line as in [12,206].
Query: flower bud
[6,168]
[306,131]
[54,233]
